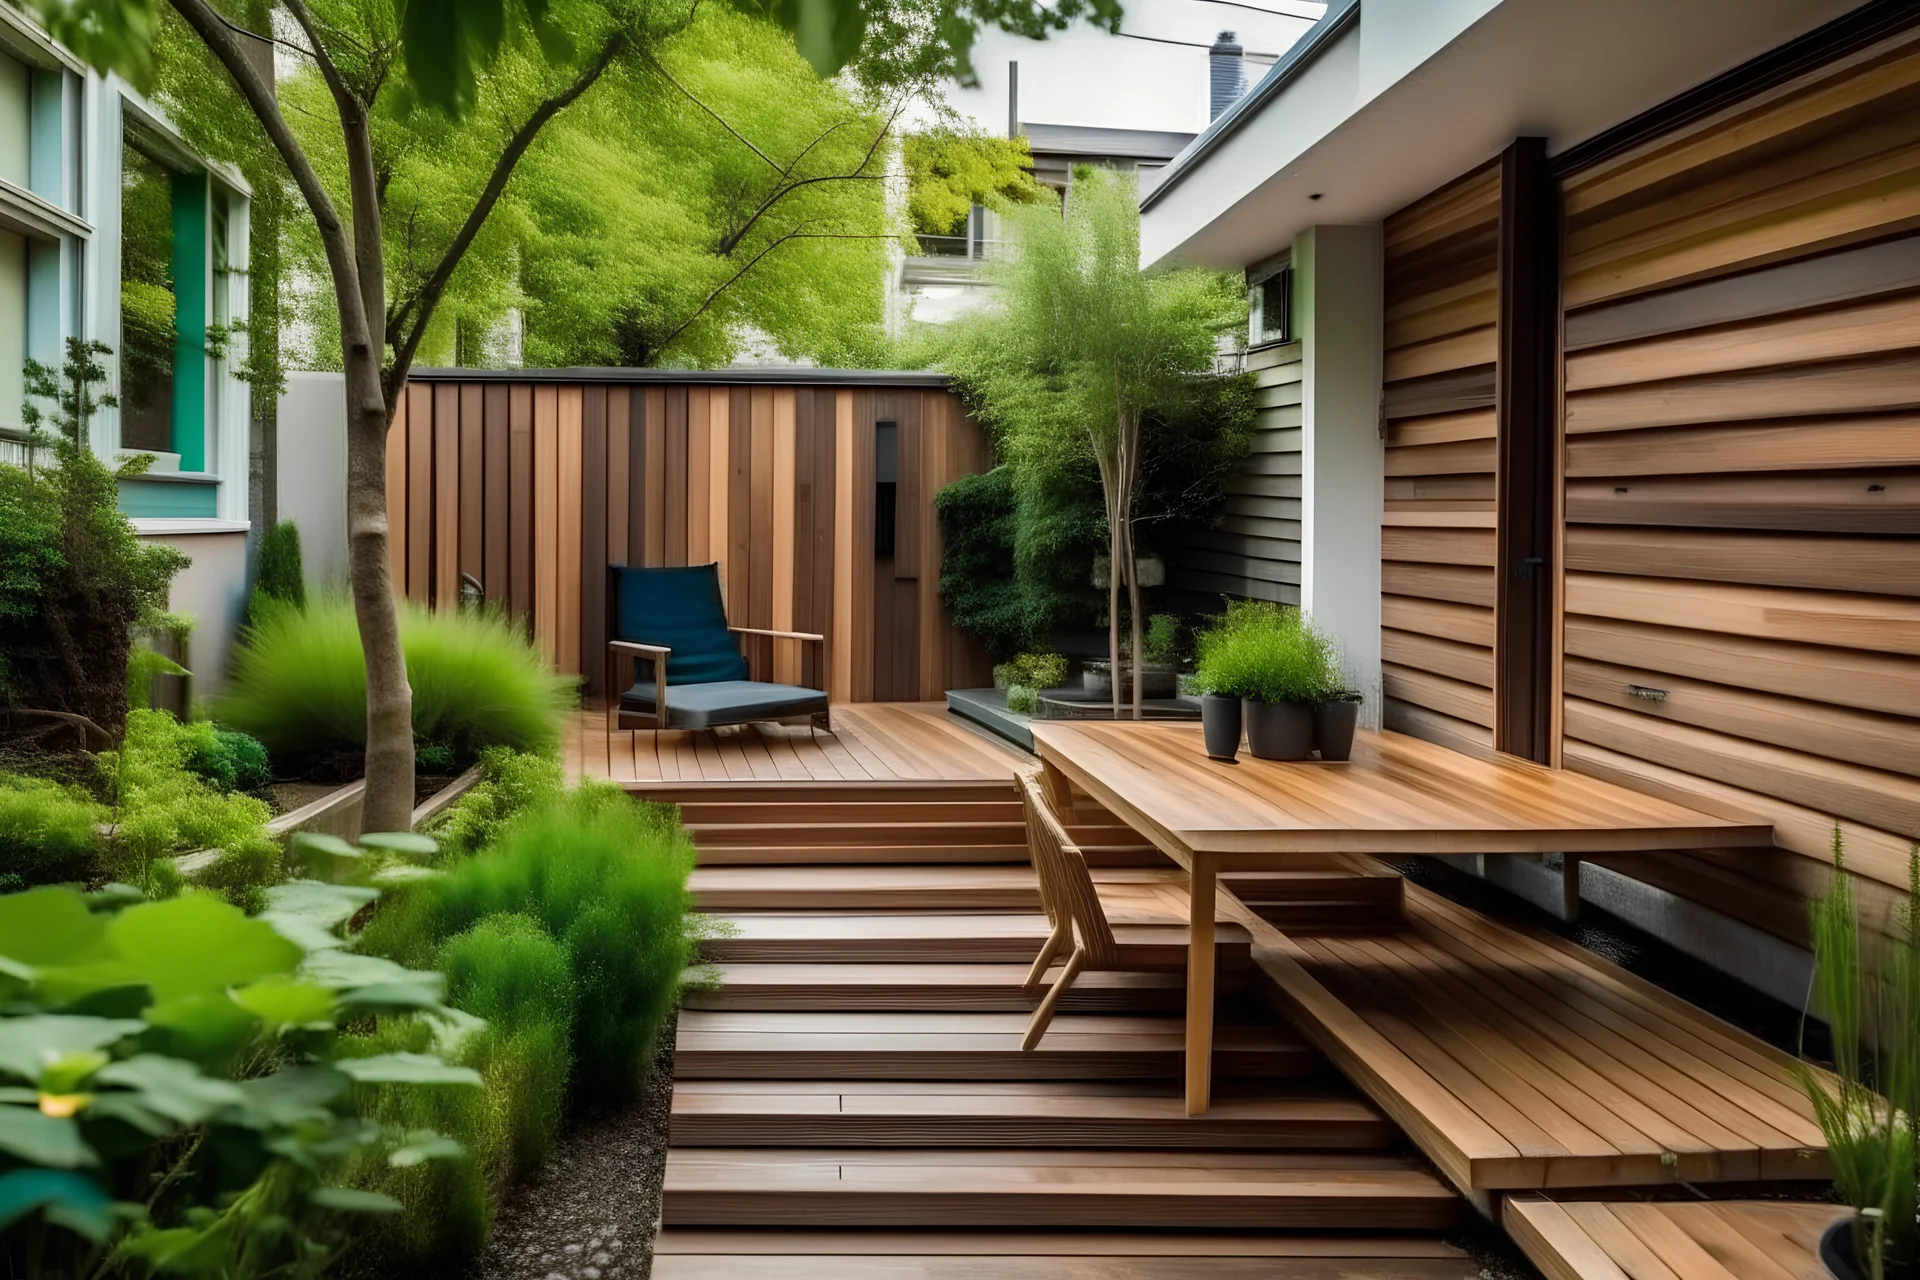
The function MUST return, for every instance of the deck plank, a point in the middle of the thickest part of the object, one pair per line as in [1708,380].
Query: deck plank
[1671,1240]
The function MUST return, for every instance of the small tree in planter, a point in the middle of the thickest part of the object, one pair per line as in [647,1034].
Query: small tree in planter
[1869,990]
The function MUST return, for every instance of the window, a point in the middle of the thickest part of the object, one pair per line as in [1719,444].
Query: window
[1271,304]
[148,308]
[886,482]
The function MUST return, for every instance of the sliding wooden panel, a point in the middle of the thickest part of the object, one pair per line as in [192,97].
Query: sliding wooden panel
[568,586]
[654,434]
[840,636]
[420,462]
[674,517]
[593,538]
[786,653]
[546,522]
[1743,585]
[520,499]
[1442,310]
[699,473]
[472,487]
[618,480]
[719,486]
[759,531]
[445,592]
[495,506]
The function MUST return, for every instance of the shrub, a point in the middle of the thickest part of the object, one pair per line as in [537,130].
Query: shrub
[514,782]
[1162,641]
[1262,651]
[162,807]
[606,876]
[1032,671]
[299,682]
[280,578]
[230,760]
[46,832]
[1021,700]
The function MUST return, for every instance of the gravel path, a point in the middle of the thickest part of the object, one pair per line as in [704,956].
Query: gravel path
[591,1211]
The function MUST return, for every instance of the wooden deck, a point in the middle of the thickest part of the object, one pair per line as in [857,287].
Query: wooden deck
[872,742]
[1515,1059]
[1687,1240]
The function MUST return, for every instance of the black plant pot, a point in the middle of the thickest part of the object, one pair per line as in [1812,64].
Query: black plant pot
[1836,1251]
[1333,726]
[1279,730]
[1220,725]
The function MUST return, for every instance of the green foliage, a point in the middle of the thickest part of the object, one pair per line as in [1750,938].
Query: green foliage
[1868,988]
[299,682]
[1271,654]
[1033,670]
[1022,700]
[162,806]
[1163,639]
[69,607]
[514,782]
[1016,553]
[175,1102]
[47,831]
[280,578]
[229,760]
[952,167]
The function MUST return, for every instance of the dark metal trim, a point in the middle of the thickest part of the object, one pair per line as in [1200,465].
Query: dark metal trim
[1848,33]
[1526,408]
[779,376]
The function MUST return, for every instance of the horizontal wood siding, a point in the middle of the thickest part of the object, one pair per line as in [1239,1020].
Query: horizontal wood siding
[1437,546]
[1255,551]
[1743,480]
[533,488]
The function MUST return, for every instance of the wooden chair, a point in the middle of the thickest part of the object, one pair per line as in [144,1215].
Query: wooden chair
[1072,905]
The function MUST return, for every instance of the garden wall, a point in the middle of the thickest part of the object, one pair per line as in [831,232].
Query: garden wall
[530,482]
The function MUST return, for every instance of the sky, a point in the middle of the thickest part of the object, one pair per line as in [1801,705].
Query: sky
[1085,77]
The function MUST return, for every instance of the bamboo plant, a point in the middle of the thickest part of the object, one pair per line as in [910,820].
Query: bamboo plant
[1868,987]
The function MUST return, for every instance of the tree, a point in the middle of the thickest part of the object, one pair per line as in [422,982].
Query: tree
[1082,351]
[497,72]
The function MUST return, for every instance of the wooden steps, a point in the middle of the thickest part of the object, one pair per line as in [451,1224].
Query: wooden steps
[1352,894]
[1693,1240]
[727,1044]
[694,1253]
[935,1187]
[784,937]
[955,987]
[1077,1113]
[861,888]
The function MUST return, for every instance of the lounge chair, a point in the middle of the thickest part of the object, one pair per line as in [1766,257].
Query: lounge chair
[673,620]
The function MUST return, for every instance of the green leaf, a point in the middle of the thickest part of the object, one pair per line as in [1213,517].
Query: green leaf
[423,1145]
[50,926]
[406,1068]
[409,842]
[129,1109]
[447,41]
[199,943]
[54,1141]
[286,1002]
[309,911]
[290,1097]
[73,1200]
[28,1046]
[323,855]
[354,1200]
[173,1088]
[404,873]
[204,1026]
[348,971]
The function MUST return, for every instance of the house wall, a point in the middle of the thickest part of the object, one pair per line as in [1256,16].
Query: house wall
[1742,579]
[534,487]
[1255,552]
[1437,533]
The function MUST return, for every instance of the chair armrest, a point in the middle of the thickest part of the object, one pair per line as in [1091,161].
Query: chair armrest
[649,650]
[780,635]
[636,653]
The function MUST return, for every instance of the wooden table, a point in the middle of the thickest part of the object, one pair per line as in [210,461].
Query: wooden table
[1398,795]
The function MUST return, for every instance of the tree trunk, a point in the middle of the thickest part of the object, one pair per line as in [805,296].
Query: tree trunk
[1129,471]
[389,762]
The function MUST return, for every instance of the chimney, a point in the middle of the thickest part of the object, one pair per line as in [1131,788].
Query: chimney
[1225,82]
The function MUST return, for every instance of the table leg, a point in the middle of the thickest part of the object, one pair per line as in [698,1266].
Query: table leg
[1200,964]
[1057,789]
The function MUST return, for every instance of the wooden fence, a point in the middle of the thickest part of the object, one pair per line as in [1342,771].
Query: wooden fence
[532,482]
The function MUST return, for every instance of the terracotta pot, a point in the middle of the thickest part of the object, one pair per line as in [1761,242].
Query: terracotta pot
[1333,726]
[1279,730]
[1836,1251]
[1220,725]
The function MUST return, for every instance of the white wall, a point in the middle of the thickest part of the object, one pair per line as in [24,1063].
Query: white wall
[312,470]
[1337,283]
[213,589]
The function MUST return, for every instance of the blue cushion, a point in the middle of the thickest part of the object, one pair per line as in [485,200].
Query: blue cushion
[679,608]
[702,706]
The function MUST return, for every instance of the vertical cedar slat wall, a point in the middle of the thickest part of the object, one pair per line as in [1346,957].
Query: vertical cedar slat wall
[533,488]
[1742,495]
[1255,551]
[1437,539]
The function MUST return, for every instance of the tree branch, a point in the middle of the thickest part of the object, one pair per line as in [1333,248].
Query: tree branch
[417,311]
[784,189]
[724,124]
[749,265]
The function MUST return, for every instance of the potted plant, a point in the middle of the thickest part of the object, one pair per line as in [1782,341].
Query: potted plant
[1220,676]
[1279,665]
[1335,717]
[1868,987]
